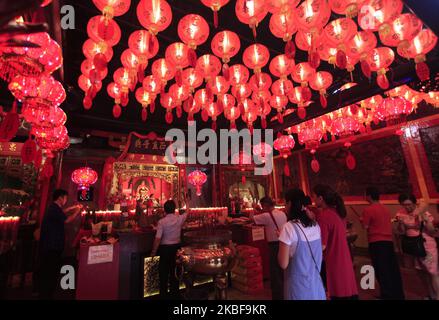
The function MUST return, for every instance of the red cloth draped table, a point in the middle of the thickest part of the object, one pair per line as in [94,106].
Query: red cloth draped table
[98,272]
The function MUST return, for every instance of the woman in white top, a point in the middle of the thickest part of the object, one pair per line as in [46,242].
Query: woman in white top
[300,251]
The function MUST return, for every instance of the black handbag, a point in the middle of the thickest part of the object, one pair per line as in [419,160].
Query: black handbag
[414,246]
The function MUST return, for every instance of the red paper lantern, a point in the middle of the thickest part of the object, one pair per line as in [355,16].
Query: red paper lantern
[321,81]
[262,150]
[202,98]
[151,84]
[338,32]
[99,53]
[379,59]
[113,8]
[284,144]
[225,44]
[348,8]
[177,54]
[84,177]
[219,85]
[163,70]
[345,123]
[419,46]
[215,6]
[393,110]
[154,15]
[312,15]
[193,30]
[127,80]
[30,62]
[241,91]
[191,78]
[374,13]
[179,93]
[168,102]
[251,12]
[307,41]
[282,87]
[232,113]
[282,25]
[130,60]
[239,74]
[197,178]
[255,57]
[90,71]
[213,111]
[400,30]
[260,82]
[303,73]
[360,46]
[281,66]
[209,66]
[275,6]
[100,29]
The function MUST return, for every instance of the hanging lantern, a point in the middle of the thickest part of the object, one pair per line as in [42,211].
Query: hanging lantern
[202,98]
[282,87]
[241,91]
[284,144]
[197,178]
[394,110]
[179,93]
[151,84]
[251,12]
[213,110]
[163,70]
[145,46]
[417,49]
[167,102]
[263,151]
[379,60]
[321,81]
[375,13]
[279,102]
[192,78]
[84,177]
[177,54]
[260,82]
[345,124]
[400,31]
[249,113]
[282,25]
[255,57]
[154,15]
[215,6]
[219,85]
[225,44]
[144,97]
[298,96]
[310,134]
[99,53]
[349,8]
[243,160]
[275,6]
[232,113]
[100,29]
[303,73]
[360,46]
[191,107]
[112,8]
[308,41]
[127,79]
[193,30]
[90,71]
[338,32]
[51,139]
[238,74]
[114,91]
[30,62]
[281,66]
[209,66]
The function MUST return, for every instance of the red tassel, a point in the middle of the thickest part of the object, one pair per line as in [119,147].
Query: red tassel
[341,60]
[179,112]
[215,19]
[100,61]
[178,78]
[214,125]
[190,116]
[105,30]
[204,115]
[151,43]
[87,102]
[315,165]
[314,59]
[290,50]
[351,163]
[287,168]
[117,111]
[365,68]
[192,55]
[422,71]
[152,106]
[169,117]
[144,114]
[226,73]
[243,179]
[382,81]
[232,125]
[301,112]
[124,99]
[306,94]
[323,101]
[264,123]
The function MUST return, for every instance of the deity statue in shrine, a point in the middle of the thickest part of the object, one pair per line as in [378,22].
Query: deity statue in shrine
[142,192]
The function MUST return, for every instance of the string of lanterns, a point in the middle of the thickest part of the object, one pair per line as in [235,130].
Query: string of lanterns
[207,84]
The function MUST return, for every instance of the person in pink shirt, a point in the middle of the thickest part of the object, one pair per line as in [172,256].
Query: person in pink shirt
[340,276]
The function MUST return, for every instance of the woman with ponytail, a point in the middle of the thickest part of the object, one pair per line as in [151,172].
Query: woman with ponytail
[340,276]
[300,251]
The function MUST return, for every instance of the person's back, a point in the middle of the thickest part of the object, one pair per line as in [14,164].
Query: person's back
[52,229]
[169,227]
[304,281]
[379,221]
[272,225]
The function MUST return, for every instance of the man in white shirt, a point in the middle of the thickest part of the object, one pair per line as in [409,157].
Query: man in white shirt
[273,221]
[167,242]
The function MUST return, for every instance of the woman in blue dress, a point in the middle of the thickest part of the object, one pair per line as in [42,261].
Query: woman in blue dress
[300,251]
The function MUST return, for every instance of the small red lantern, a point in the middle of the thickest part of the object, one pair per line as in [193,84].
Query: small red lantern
[239,74]
[419,46]
[400,30]
[84,177]
[193,30]
[225,44]
[113,8]
[197,178]
[282,87]
[282,25]
[215,5]
[209,66]
[360,46]
[163,70]
[281,66]
[279,102]
[241,91]
[260,82]
[154,15]
[251,12]
[191,78]
[373,14]
[349,8]
[232,113]
[177,54]
[213,111]
[394,110]
[255,57]
[100,29]
[379,60]
[312,15]
[338,32]
[321,81]
[284,144]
